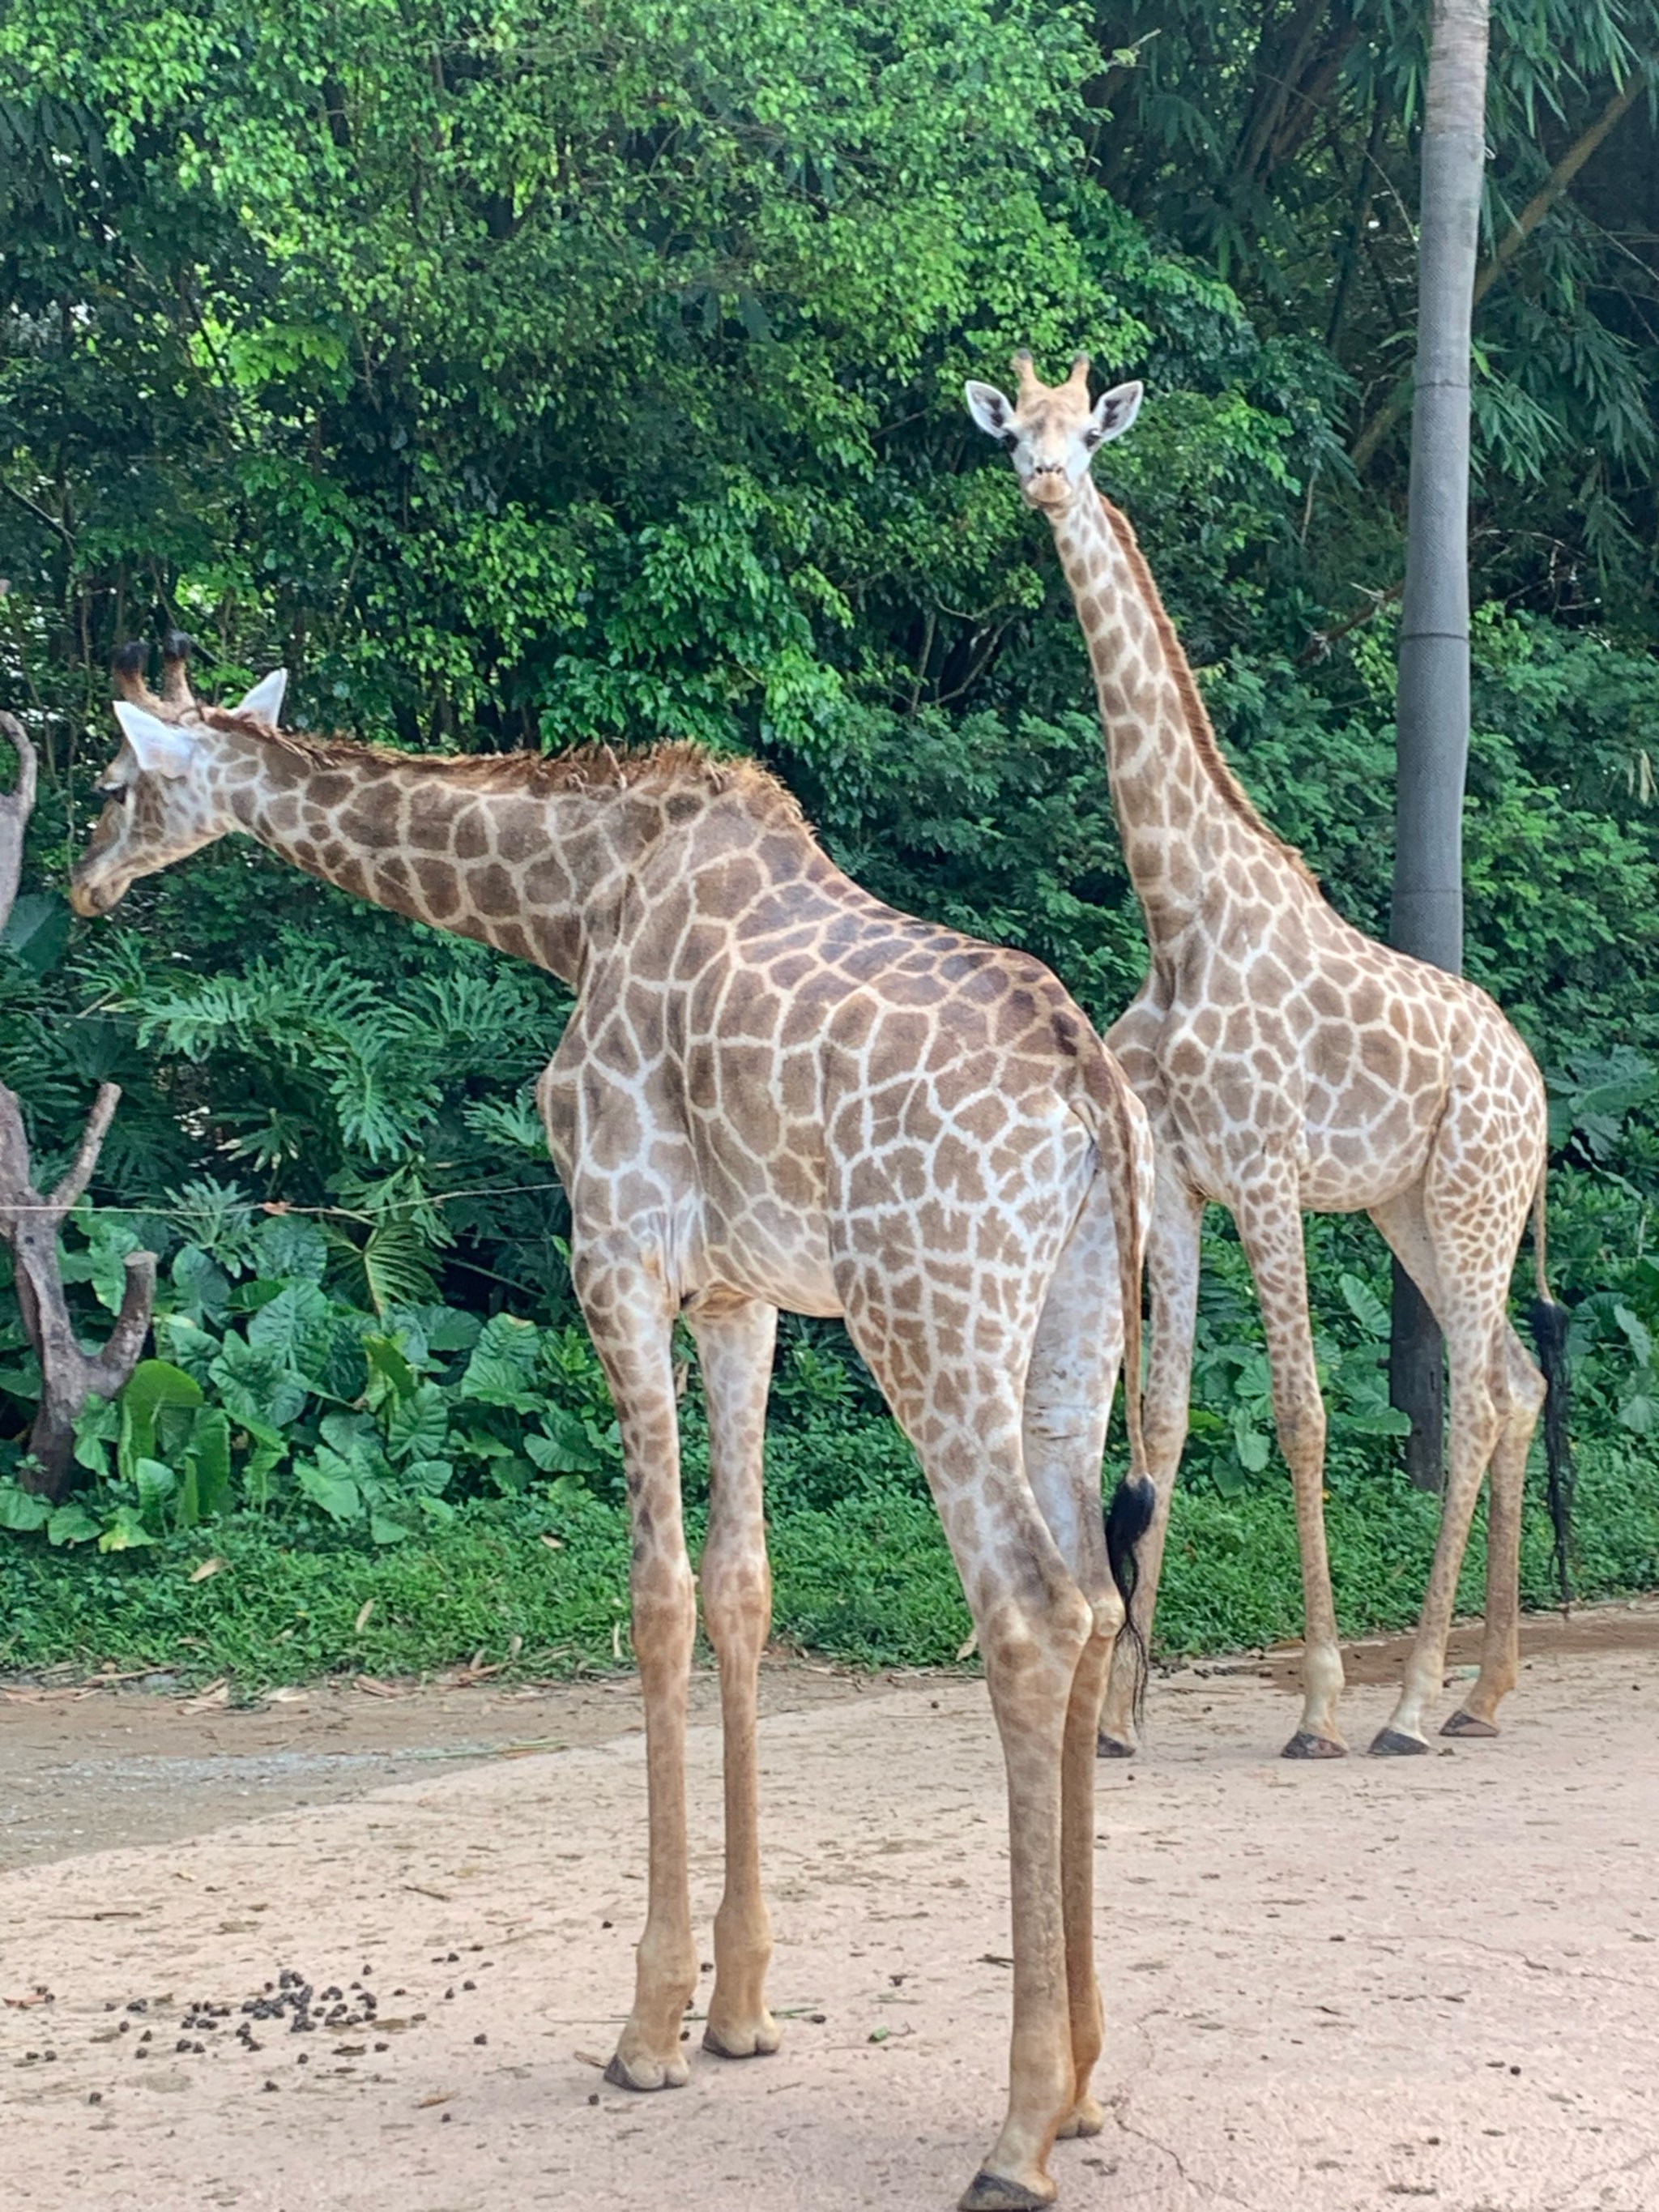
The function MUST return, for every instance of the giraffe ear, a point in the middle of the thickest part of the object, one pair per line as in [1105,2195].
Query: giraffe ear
[264,701]
[159,748]
[992,409]
[1113,412]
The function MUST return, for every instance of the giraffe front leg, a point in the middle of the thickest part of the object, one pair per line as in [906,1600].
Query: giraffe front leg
[1270,1228]
[735,1340]
[631,1327]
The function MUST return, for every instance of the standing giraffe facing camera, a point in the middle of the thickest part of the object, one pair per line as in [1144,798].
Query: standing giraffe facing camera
[774,1092]
[1289,1064]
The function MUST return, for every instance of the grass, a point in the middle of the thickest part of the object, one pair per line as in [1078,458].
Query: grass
[860,1568]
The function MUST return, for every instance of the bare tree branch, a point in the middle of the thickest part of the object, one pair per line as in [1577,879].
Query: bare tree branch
[1559,178]
[16,808]
[92,1143]
[69,1374]
[1555,183]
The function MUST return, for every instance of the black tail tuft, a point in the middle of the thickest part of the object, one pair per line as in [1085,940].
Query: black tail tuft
[1549,1330]
[1128,1519]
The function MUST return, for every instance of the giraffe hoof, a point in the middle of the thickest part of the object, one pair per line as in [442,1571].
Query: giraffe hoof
[1086,2117]
[756,2038]
[994,2192]
[1113,1746]
[642,2073]
[1394,1743]
[1305,1744]
[1463,1724]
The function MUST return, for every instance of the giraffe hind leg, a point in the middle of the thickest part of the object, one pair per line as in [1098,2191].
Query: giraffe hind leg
[1500,1647]
[1445,1235]
[1068,1396]
[735,1340]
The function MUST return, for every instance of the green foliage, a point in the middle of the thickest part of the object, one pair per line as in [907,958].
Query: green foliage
[517,377]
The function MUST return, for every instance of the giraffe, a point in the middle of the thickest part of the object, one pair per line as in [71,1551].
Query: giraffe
[774,1092]
[1290,1064]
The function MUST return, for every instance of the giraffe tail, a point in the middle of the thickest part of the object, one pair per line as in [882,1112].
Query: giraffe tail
[1125,1157]
[1549,1330]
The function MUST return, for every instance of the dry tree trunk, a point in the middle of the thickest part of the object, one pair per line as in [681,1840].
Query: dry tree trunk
[29,1222]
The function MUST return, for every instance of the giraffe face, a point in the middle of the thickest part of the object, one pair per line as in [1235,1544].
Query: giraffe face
[1052,434]
[161,800]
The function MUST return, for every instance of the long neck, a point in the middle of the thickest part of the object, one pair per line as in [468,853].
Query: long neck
[535,873]
[1181,813]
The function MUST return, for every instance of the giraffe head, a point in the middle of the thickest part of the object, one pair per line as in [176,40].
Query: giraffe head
[160,801]
[1051,431]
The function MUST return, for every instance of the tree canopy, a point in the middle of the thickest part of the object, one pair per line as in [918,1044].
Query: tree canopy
[519,375]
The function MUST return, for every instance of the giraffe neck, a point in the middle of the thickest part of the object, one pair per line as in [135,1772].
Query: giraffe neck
[1181,815]
[535,873]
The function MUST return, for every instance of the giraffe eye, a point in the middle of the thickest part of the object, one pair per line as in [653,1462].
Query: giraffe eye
[1010,439]
[117,792]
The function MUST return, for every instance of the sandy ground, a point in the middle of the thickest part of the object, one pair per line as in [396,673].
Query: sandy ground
[1330,1987]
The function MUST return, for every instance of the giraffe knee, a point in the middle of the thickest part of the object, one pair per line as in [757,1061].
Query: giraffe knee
[737,1601]
[1301,1431]
[665,1616]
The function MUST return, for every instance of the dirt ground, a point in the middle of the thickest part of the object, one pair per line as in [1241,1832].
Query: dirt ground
[1330,1987]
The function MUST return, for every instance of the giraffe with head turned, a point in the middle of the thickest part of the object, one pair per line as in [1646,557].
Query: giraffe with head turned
[1289,1064]
[774,1092]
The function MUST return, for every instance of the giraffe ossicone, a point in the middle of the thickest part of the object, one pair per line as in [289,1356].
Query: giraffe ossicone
[1289,1064]
[774,1091]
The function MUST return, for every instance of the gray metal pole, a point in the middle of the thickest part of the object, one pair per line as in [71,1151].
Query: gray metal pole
[1432,713]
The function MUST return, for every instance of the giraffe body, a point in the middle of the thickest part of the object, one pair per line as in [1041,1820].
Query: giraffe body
[1289,1064]
[774,1091]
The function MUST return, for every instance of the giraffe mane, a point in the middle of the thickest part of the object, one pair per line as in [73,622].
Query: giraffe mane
[676,763]
[1228,788]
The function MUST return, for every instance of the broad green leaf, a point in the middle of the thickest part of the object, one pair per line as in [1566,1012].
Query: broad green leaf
[429,1477]
[207,1461]
[263,1462]
[37,930]
[383,1530]
[563,1447]
[154,1389]
[1249,1443]
[97,1426]
[21,1509]
[1367,1308]
[292,1247]
[200,1282]
[294,1328]
[1637,1335]
[258,1392]
[388,1369]
[71,1524]
[417,1425]
[335,1491]
[126,1532]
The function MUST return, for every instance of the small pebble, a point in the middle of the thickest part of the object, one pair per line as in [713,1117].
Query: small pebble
[485,2039]
[95,2097]
[595,2097]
